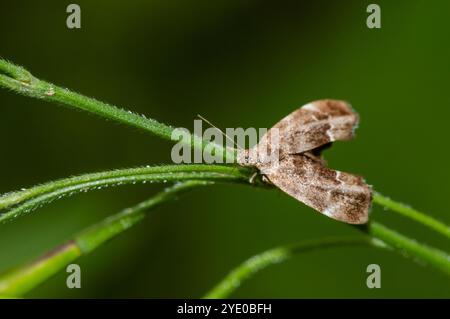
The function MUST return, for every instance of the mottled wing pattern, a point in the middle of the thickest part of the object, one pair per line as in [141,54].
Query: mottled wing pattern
[313,125]
[300,170]
[339,195]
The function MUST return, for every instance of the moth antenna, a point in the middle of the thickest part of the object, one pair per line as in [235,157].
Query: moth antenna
[226,136]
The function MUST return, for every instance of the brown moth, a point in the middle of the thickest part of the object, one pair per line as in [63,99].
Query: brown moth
[301,172]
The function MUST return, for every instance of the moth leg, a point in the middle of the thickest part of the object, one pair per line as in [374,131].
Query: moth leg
[252,178]
[265,179]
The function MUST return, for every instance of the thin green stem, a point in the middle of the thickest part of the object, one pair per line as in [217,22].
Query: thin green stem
[412,213]
[409,247]
[50,191]
[27,200]
[13,198]
[21,81]
[20,280]
[377,236]
[275,256]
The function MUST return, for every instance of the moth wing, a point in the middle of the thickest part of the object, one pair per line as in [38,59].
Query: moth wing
[341,196]
[313,125]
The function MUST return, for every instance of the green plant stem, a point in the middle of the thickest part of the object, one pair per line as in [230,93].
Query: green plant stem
[20,280]
[410,248]
[411,213]
[377,236]
[21,81]
[17,281]
[46,192]
[272,257]
[29,199]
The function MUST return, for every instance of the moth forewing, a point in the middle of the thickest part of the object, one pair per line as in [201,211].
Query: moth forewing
[300,171]
[313,125]
[341,196]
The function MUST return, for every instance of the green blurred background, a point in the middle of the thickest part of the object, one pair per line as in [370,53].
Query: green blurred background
[239,64]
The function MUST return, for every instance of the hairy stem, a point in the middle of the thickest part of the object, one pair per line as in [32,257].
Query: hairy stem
[410,248]
[46,192]
[21,81]
[20,280]
[413,214]
[377,236]
[275,256]
[29,199]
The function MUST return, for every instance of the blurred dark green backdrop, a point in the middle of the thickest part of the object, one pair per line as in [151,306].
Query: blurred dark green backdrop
[238,63]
